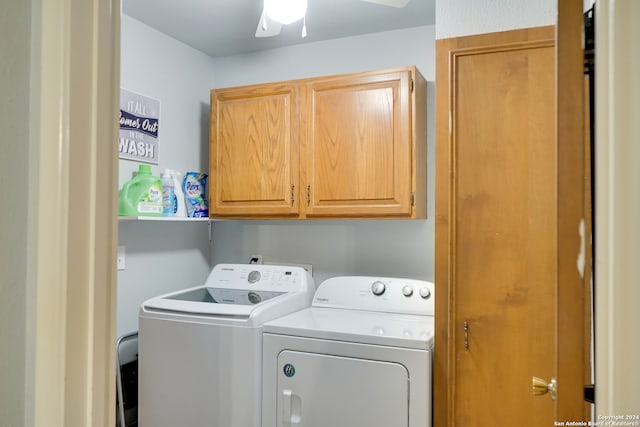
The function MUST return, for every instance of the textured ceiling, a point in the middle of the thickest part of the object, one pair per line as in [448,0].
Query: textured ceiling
[227,27]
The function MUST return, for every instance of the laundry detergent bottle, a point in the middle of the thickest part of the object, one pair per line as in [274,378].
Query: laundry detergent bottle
[181,207]
[169,202]
[141,196]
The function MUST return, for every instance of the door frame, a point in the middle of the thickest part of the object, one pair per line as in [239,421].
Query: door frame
[617,208]
[72,218]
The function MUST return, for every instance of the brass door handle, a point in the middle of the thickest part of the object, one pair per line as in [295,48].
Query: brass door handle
[540,387]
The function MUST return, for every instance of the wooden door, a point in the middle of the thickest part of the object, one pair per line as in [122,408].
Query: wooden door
[497,228]
[359,145]
[254,150]
[573,286]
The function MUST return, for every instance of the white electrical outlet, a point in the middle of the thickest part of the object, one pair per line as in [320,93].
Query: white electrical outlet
[120,258]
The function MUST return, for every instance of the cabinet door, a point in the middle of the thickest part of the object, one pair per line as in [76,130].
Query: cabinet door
[254,151]
[357,150]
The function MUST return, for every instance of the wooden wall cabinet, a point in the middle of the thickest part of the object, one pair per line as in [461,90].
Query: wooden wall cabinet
[254,150]
[345,146]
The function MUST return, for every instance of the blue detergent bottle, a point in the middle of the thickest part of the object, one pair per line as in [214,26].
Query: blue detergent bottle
[142,195]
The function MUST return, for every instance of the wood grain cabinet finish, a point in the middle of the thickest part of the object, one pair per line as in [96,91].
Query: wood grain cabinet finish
[362,154]
[345,146]
[254,150]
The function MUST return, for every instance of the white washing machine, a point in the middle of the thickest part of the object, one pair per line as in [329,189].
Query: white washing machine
[361,355]
[200,349]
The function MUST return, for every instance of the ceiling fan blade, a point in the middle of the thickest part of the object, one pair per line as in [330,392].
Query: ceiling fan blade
[267,27]
[392,3]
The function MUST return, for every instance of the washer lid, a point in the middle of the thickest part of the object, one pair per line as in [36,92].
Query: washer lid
[367,327]
[208,300]
[239,292]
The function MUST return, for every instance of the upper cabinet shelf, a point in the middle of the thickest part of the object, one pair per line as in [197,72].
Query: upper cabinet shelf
[345,146]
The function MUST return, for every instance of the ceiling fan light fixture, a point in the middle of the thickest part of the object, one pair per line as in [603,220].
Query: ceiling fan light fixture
[285,11]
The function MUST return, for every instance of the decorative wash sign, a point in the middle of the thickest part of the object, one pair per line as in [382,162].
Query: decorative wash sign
[139,120]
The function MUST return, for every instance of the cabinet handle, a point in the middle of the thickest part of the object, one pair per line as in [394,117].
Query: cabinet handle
[466,335]
[293,196]
[308,195]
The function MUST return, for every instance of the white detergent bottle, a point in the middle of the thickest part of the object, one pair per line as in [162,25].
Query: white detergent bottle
[181,207]
[168,194]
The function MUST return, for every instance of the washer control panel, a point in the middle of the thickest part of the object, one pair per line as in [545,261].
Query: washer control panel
[387,294]
[254,276]
[259,277]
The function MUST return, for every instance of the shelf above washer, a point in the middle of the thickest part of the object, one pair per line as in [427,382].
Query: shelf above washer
[162,218]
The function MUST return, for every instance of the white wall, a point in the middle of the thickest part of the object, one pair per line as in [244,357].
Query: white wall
[413,46]
[164,256]
[15,40]
[160,257]
[376,247]
[158,66]
[455,18]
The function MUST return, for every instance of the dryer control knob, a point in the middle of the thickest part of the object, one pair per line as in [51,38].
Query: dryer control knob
[407,291]
[425,293]
[254,276]
[378,287]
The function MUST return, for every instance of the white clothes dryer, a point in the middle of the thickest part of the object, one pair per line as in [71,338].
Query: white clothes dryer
[200,349]
[361,355]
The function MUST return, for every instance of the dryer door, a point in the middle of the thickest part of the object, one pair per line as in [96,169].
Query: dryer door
[324,390]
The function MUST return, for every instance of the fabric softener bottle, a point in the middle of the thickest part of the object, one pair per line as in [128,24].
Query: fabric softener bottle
[141,196]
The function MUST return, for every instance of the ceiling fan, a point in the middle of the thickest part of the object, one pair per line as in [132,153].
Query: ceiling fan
[277,13]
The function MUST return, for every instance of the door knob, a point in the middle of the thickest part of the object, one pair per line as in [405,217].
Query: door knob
[540,387]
